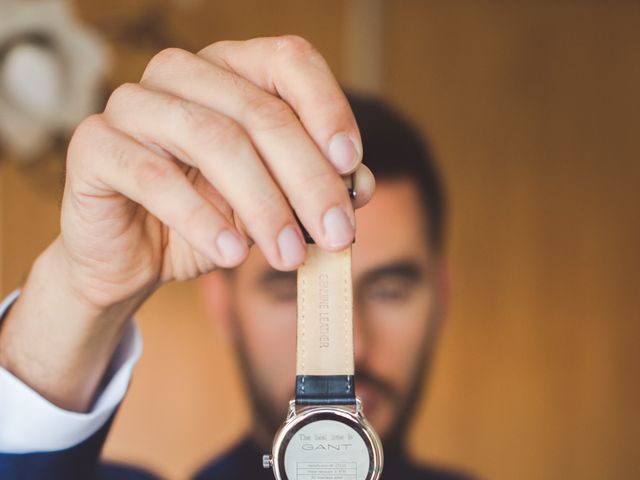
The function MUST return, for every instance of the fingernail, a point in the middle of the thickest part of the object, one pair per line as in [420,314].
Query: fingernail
[292,249]
[231,247]
[338,228]
[343,152]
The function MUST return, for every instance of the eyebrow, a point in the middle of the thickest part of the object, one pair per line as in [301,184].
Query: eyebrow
[406,268]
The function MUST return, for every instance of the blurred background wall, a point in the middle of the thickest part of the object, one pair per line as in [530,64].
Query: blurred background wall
[533,108]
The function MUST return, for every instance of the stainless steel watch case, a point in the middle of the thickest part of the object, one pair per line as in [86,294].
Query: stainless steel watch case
[299,417]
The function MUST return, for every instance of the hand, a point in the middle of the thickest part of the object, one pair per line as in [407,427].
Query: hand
[207,154]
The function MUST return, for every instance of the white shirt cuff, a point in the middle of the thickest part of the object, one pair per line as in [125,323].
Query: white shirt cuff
[30,423]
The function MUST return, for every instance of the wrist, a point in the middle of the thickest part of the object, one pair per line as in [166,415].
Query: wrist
[58,341]
[86,290]
[56,282]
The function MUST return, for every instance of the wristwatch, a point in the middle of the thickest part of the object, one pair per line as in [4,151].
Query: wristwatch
[325,435]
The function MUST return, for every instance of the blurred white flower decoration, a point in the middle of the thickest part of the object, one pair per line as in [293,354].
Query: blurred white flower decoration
[51,69]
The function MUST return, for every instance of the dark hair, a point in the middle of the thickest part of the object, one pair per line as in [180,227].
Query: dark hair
[394,149]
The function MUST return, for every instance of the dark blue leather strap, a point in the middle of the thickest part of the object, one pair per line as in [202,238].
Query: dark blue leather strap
[325,390]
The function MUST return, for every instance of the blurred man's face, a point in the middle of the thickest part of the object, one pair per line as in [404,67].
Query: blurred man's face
[396,300]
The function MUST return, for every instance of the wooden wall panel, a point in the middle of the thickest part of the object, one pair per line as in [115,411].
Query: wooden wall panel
[533,108]
[29,215]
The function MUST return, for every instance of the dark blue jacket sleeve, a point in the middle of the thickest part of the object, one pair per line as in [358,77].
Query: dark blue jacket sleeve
[77,462]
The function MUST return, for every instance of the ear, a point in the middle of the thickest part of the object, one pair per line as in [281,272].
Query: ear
[445,280]
[214,290]
[443,291]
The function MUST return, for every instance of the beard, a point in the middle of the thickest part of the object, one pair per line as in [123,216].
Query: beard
[267,416]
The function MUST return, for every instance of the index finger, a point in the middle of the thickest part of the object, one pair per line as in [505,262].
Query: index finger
[291,68]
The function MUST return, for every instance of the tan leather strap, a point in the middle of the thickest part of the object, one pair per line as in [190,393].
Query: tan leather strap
[325,314]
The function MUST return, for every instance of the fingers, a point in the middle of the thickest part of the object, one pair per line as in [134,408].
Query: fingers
[291,68]
[364,185]
[310,183]
[259,119]
[114,162]
[220,149]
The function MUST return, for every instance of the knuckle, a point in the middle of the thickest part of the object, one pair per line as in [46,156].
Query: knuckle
[336,107]
[268,214]
[319,186]
[84,135]
[147,174]
[89,126]
[122,95]
[191,220]
[269,113]
[210,130]
[169,56]
[214,48]
[294,46]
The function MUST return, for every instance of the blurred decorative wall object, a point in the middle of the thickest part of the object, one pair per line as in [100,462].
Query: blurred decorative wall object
[51,68]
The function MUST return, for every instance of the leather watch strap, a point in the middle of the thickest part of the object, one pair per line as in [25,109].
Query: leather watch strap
[325,329]
[325,363]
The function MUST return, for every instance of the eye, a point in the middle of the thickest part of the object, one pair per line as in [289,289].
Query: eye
[282,289]
[389,289]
